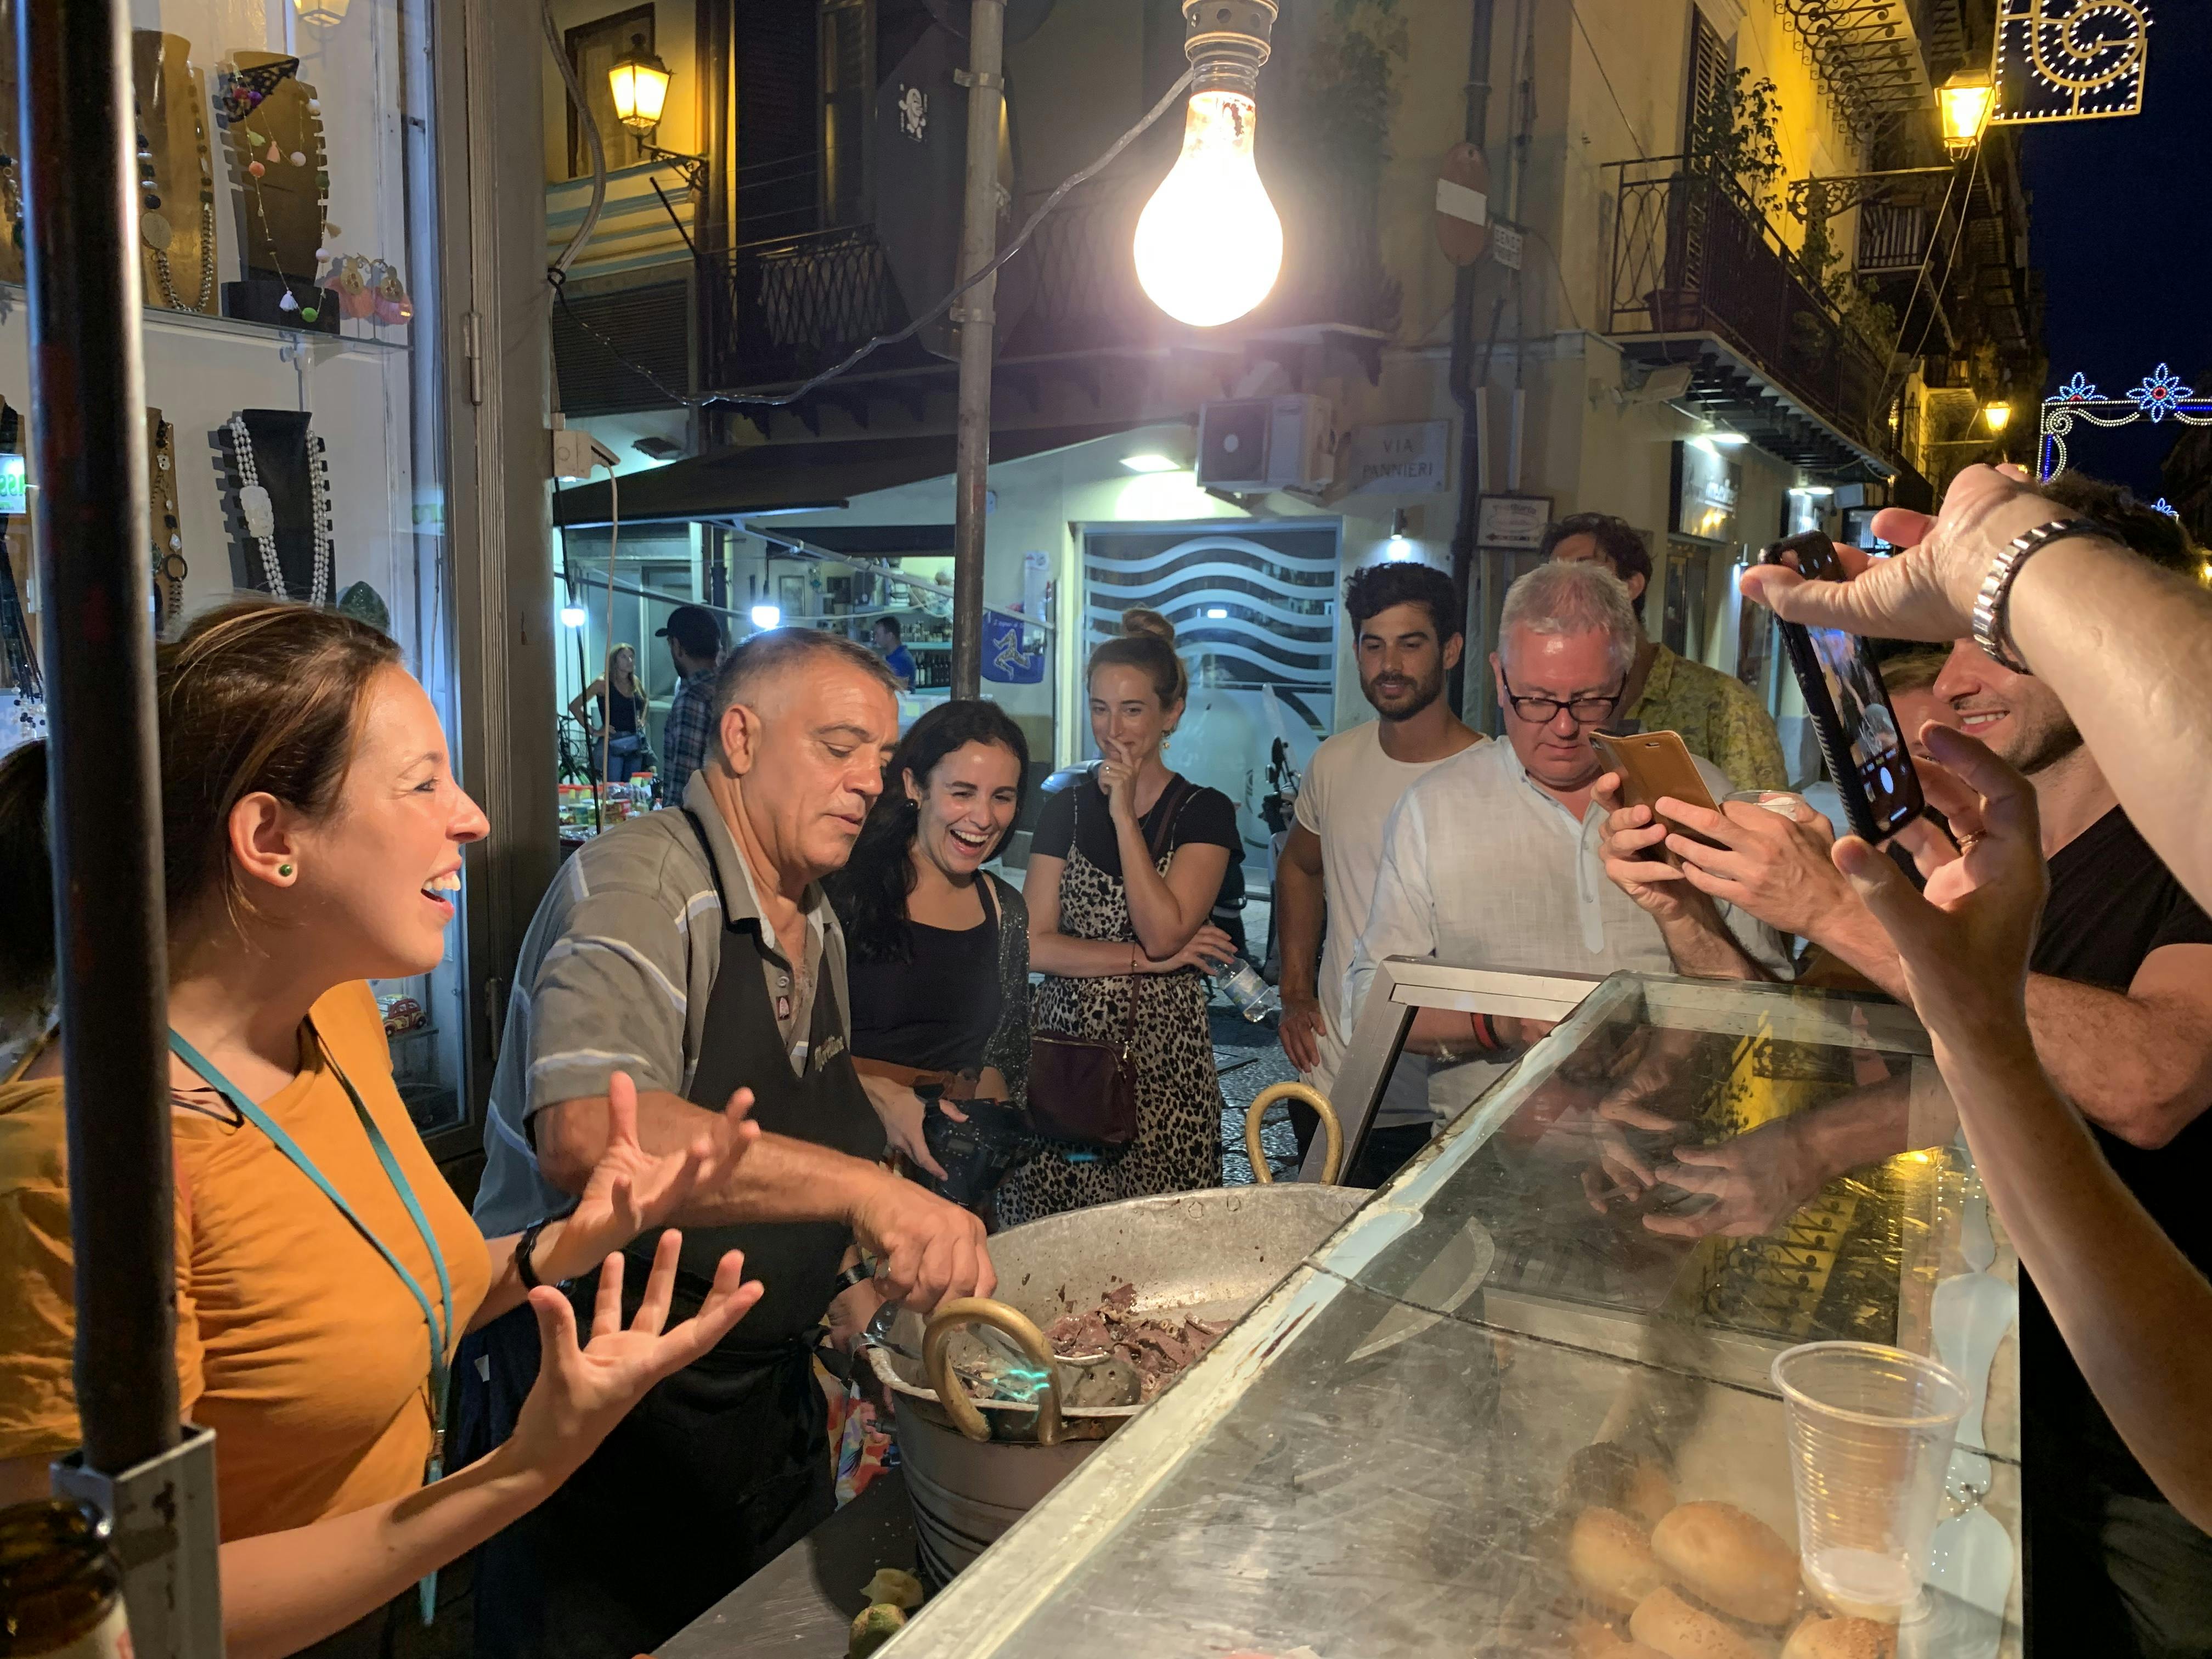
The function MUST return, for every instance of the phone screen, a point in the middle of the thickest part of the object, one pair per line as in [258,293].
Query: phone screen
[1863,738]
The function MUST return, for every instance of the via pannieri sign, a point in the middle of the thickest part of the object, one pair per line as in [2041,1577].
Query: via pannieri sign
[1411,458]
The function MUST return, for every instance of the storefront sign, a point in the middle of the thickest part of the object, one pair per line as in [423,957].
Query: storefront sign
[13,496]
[1513,523]
[1409,459]
[1707,486]
[1006,658]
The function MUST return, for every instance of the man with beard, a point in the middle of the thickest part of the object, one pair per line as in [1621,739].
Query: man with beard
[2119,1004]
[1407,638]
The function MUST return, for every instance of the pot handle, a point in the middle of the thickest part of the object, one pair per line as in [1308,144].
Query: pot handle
[936,1343]
[1332,1164]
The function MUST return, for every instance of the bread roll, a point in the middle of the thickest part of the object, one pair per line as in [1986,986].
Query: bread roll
[1733,1560]
[1667,1623]
[1594,1638]
[1611,1476]
[1840,1639]
[1611,1558]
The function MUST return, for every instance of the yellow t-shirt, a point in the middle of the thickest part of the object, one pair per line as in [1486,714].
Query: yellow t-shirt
[296,1343]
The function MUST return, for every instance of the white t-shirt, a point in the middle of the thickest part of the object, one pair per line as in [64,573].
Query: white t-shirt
[1350,787]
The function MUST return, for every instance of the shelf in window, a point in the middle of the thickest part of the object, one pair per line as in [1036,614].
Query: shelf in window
[15,296]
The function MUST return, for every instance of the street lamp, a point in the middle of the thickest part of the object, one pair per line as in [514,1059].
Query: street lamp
[1963,101]
[639,82]
[1209,245]
[1997,415]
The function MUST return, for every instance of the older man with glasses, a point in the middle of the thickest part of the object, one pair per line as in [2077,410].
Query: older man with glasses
[1495,857]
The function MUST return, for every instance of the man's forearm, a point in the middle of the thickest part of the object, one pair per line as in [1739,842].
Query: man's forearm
[2128,648]
[1853,934]
[2132,1067]
[1300,909]
[778,1179]
[1702,948]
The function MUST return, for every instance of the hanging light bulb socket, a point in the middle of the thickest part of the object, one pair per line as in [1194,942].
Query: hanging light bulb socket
[1209,243]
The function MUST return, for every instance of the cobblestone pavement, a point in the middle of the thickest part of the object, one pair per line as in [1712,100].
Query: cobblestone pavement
[1249,1059]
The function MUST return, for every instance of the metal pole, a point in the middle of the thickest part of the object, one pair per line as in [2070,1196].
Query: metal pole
[979,244]
[89,447]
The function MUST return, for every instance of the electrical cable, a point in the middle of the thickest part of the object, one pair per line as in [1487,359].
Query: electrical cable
[1642,154]
[607,715]
[1936,295]
[558,277]
[559,271]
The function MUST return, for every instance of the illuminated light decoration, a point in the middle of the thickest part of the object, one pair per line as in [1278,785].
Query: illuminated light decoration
[2166,508]
[2160,394]
[1209,243]
[2070,60]
[571,615]
[765,616]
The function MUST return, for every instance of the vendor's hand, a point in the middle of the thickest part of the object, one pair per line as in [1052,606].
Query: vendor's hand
[1964,944]
[583,1392]
[632,1191]
[927,1251]
[1118,777]
[1300,1031]
[1209,948]
[1631,862]
[1928,592]
[903,1112]
[1768,865]
[1760,1179]
[850,1310]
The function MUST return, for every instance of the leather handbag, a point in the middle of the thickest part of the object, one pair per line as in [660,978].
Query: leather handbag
[1082,1091]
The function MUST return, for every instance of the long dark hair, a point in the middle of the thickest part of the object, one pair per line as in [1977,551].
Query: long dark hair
[870,893]
[255,696]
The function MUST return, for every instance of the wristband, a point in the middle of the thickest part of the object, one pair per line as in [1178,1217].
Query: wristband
[1485,1038]
[1990,631]
[523,1268]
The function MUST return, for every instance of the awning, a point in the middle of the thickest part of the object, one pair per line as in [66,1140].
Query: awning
[765,478]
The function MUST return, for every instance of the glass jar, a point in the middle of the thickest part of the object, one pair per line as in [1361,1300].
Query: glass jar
[61,1587]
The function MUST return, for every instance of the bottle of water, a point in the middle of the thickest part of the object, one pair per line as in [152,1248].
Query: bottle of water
[1255,998]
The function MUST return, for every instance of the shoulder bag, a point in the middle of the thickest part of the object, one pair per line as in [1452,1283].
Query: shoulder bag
[1084,1090]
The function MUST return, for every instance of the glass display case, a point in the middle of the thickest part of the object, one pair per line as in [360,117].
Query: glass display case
[1608,1249]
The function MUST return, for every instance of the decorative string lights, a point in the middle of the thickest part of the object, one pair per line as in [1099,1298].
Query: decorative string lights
[2159,394]
[2070,60]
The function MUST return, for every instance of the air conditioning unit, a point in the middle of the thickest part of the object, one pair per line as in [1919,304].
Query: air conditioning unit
[1266,443]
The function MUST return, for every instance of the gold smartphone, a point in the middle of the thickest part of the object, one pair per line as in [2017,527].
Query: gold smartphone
[1652,764]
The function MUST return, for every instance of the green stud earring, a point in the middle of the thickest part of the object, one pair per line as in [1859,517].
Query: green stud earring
[284,870]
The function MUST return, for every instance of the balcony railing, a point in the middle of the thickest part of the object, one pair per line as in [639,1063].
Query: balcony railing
[782,310]
[1692,254]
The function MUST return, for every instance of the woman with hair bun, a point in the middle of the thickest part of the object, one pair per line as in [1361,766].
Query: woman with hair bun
[1123,940]
[312,830]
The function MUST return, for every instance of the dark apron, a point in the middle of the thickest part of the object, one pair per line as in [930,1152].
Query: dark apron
[727,1463]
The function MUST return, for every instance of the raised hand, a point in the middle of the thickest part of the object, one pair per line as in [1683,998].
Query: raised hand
[582,1392]
[1117,777]
[1631,862]
[632,1190]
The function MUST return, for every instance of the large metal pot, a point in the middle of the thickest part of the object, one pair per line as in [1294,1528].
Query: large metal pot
[1200,1256]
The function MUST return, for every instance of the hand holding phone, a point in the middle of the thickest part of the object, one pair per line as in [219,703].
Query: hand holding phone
[1652,765]
[1850,706]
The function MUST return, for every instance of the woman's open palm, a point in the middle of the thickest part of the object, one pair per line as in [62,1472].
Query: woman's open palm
[582,1392]
[631,1189]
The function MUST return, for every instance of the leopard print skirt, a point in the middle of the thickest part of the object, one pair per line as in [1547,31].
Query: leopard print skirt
[1179,1105]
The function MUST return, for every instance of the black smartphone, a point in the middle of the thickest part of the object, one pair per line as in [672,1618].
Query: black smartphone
[1850,706]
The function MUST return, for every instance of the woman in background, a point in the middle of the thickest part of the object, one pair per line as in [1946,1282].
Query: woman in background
[1123,941]
[938,948]
[622,738]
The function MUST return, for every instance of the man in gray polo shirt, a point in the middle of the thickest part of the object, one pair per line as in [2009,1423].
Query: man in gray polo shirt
[694,950]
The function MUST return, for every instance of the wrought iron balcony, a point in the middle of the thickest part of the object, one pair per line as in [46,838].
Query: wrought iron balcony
[779,311]
[1692,256]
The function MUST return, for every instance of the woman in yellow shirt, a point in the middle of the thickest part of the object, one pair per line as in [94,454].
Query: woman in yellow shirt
[313,833]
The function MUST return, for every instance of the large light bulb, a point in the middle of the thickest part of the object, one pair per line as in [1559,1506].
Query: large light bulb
[1209,245]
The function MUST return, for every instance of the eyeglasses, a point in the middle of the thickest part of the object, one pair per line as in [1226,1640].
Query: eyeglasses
[1543,711]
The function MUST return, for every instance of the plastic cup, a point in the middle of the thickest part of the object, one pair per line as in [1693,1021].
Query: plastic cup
[1871,1432]
[1786,802]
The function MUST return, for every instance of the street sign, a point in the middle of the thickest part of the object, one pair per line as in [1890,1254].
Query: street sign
[1513,523]
[1463,205]
[1506,246]
[1410,458]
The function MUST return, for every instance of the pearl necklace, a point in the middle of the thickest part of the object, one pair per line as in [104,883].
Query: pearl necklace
[260,514]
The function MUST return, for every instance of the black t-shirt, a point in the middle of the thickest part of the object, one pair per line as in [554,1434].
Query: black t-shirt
[2112,903]
[1079,815]
[935,1011]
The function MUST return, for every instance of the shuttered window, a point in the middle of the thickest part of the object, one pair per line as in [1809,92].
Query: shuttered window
[1712,61]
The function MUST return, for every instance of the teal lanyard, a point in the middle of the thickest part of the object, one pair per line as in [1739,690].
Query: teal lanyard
[441,1330]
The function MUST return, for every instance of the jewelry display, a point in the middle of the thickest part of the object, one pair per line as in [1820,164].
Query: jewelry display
[176,172]
[368,290]
[11,168]
[167,524]
[273,446]
[21,660]
[274,120]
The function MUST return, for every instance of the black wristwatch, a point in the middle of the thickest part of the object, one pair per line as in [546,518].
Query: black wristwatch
[523,1246]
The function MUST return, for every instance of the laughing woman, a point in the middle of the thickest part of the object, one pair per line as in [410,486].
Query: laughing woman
[312,830]
[939,947]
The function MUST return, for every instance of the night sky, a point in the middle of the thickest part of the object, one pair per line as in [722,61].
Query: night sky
[2122,231]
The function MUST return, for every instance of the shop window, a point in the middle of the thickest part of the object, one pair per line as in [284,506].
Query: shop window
[592,48]
[1683,626]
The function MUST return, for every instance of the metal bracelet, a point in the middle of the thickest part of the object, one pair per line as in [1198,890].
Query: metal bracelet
[1990,630]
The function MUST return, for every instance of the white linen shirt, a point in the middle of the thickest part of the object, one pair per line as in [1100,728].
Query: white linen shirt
[1482,869]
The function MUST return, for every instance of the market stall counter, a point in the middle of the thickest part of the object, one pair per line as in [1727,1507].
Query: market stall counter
[1579,1445]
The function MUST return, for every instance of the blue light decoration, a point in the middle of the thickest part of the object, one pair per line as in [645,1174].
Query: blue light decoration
[2160,394]
[2070,60]
[2166,508]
